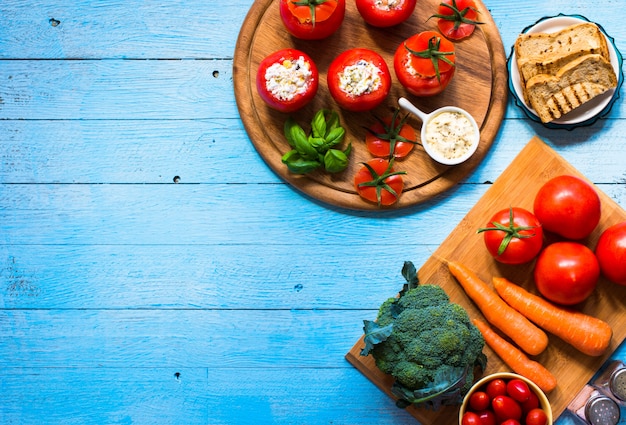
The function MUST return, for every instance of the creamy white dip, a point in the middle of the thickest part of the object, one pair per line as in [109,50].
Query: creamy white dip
[287,79]
[361,78]
[450,134]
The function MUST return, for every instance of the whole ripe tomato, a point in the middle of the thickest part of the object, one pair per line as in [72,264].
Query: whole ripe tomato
[312,19]
[470,418]
[611,253]
[457,18]
[536,417]
[384,14]
[479,400]
[506,408]
[496,387]
[513,236]
[568,206]
[359,79]
[566,272]
[378,182]
[424,63]
[287,80]
[518,390]
[391,137]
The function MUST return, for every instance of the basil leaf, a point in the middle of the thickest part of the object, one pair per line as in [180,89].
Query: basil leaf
[335,136]
[305,149]
[292,131]
[318,143]
[332,122]
[298,165]
[318,124]
[335,161]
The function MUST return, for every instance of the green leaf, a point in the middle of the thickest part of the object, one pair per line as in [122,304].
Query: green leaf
[318,143]
[335,161]
[318,124]
[305,149]
[409,272]
[335,136]
[332,122]
[293,132]
[374,334]
[298,165]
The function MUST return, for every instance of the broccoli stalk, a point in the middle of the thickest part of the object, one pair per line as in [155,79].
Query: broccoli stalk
[426,343]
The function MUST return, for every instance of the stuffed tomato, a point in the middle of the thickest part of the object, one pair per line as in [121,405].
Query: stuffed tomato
[425,63]
[312,19]
[384,14]
[359,79]
[287,80]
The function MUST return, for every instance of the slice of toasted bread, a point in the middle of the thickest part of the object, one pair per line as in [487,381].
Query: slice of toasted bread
[546,53]
[552,96]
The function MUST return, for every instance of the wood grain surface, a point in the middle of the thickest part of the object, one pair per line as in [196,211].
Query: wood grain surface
[479,86]
[517,186]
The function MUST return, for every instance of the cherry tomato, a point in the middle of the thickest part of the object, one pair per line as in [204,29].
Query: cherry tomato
[487,417]
[531,403]
[378,182]
[510,422]
[457,18]
[326,18]
[611,253]
[518,390]
[391,131]
[414,61]
[513,236]
[568,206]
[287,80]
[536,417]
[384,14]
[506,408]
[359,79]
[479,400]
[496,387]
[566,272]
[470,418]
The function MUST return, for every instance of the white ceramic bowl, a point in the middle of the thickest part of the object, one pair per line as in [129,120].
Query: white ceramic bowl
[544,403]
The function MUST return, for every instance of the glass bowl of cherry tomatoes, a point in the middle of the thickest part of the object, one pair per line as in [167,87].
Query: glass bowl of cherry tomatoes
[505,398]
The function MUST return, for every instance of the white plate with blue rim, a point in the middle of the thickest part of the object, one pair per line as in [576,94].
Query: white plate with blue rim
[589,112]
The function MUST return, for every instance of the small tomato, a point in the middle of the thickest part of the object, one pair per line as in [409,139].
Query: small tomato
[496,387]
[470,418]
[479,400]
[506,408]
[536,417]
[518,390]
[611,253]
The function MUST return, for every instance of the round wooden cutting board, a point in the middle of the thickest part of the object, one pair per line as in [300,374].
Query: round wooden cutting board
[479,86]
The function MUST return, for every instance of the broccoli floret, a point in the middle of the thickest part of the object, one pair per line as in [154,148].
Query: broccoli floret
[427,344]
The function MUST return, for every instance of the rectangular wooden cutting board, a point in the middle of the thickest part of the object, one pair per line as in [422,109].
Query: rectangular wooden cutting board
[517,186]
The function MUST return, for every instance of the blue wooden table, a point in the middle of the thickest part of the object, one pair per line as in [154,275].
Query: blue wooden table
[154,270]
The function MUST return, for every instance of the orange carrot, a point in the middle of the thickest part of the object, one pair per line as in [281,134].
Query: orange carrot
[526,335]
[587,334]
[515,359]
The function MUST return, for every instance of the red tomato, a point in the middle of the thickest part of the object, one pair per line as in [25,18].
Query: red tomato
[287,80]
[566,272]
[518,390]
[326,18]
[415,59]
[536,417]
[510,422]
[531,403]
[359,79]
[496,387]
[487,417]
[457,18]
[390,132]
[479,400]
[611,253]
[506,408]
[378,182]
[513,236]
[384,13]
[470,418]
[568,206]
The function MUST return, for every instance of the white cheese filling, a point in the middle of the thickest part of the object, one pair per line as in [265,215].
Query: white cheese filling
[287,79]
[387,4]
[451,134]
[361,78]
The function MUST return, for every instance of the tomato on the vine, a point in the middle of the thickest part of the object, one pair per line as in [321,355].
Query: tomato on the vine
[568,206]
[425,63]
[377,181]
[457,18]
[384,14]
[513,236]
[611,253]
[359,79]
[287,80]
[391,137]
[566,272]
[312,19]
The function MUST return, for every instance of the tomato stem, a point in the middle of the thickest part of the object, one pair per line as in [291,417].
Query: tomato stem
[458,16]
[433,53]
[311,4]
[511,231]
